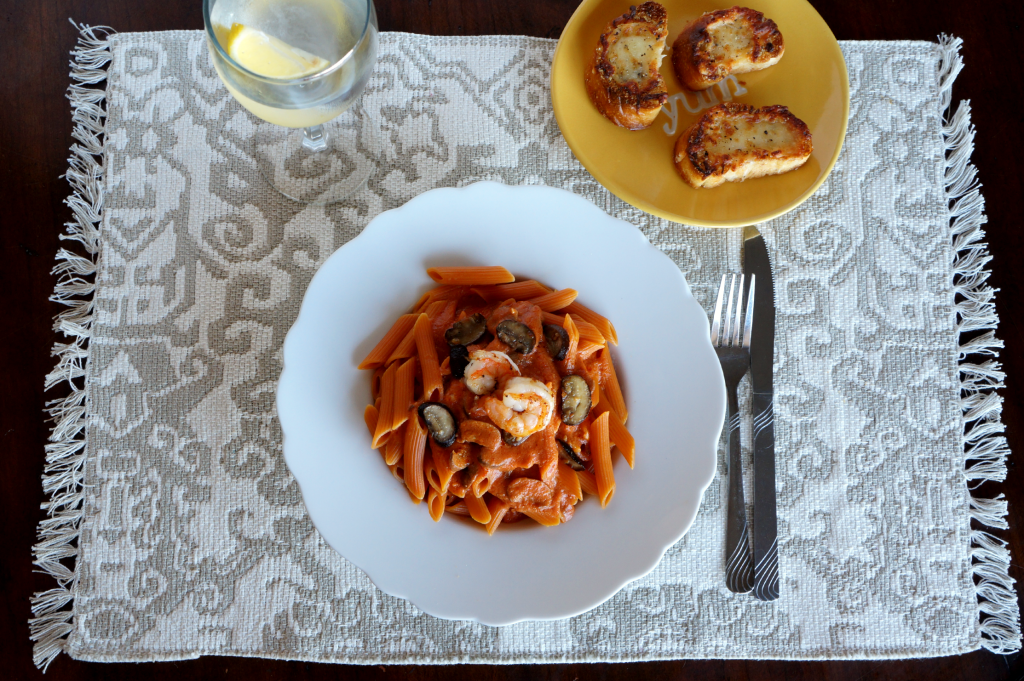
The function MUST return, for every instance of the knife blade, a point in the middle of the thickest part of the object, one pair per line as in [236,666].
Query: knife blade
[762,358]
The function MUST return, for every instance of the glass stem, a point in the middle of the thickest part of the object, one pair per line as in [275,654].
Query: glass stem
[314,138]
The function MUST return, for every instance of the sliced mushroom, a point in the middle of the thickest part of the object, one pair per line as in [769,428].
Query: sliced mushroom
[569,457]
[458,358]
[557,340]
[440,423]
[575,400]
[466,331]
[511,440]
[516,335]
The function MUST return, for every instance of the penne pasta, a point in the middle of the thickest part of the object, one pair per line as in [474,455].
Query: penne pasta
[589,348]
[556,300]
[406,348]
[378,373]
[442,465]
[415,444]
[477,509]
[552,318]
[435,504]
[393,446]
[569,481]
[606,328]
[587,330]
[456,487]
[497,508]
[458,508]
[430,474]
[436,294]
[482,483]
[502,419]
[389,342]
[612,391]
[621,438]
[546,517]
[370,415]
[405,381]
[588,483]
[398,471]
[427,352]
[387,404]
[485,292]
[470,276]
[574,342]
[421,303]
[475,480]
[435,308]
[446,294]
[520,290]
[445,317]
[601,453]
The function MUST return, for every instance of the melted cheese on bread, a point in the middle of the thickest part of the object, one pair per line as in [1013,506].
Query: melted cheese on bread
[623,80]
[734,142]
[725,42]
[633,55]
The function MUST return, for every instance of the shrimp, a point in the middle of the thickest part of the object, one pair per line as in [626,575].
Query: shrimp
[525,407]
[486,368]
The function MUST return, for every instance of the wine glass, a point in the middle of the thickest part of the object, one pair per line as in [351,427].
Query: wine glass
[300,64]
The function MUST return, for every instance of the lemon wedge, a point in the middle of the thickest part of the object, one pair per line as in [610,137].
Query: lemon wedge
[269,56]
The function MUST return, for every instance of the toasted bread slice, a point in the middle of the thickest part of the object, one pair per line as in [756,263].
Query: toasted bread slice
[734,142]
[724,42]
[623,80]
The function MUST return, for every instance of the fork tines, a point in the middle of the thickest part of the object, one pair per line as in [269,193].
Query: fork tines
[731,335]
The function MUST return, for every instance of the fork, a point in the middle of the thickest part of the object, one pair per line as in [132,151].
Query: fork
[733,351]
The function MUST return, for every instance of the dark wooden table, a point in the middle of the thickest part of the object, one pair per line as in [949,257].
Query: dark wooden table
[35,134]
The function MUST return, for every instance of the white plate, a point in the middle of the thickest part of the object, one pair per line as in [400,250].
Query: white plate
[670,375]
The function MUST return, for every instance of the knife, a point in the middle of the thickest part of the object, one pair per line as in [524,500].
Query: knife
[762,357]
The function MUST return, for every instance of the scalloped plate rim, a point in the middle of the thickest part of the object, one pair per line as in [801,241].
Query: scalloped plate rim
[645,558]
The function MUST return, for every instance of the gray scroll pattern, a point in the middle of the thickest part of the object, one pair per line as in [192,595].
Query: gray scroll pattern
[195,540]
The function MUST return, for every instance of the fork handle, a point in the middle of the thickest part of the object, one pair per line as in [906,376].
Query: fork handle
[739,573]
[766,554]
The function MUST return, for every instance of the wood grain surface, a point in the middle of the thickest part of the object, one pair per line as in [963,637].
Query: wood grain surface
[35,134]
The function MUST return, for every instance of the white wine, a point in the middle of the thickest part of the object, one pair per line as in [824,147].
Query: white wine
[303,62]
[292,118]
[299,64]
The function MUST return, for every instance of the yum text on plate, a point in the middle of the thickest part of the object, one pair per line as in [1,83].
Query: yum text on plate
[705,100]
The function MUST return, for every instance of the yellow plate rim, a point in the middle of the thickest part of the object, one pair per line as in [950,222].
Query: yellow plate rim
[608,183]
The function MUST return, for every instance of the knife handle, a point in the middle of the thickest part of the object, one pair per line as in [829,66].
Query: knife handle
[766,555]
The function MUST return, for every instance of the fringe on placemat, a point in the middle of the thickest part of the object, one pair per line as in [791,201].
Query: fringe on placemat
[65,453]
[985,447]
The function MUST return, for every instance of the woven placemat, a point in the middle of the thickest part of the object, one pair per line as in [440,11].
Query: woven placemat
[175,529]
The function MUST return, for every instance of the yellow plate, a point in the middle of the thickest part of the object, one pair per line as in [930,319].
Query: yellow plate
[637,166]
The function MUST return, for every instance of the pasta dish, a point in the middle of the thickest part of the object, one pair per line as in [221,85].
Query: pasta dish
[497,399]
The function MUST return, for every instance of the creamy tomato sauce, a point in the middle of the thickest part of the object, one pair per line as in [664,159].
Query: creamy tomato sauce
[526,475]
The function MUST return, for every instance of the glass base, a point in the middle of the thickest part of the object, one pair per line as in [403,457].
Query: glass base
[318,165]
